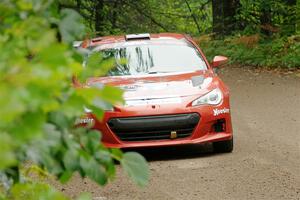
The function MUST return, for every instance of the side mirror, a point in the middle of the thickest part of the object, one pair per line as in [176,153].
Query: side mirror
[219,60]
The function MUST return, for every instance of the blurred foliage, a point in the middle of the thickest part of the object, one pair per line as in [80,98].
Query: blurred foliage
[282,16]
[193,17]
[131,16]
[39,106]
[253,51]
[33,191]
[266,34]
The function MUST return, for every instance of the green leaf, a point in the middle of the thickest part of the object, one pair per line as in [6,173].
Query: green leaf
[94,60]
[33,191]
[59,119]
[65,177]
[112,95]
[29,126]
[97,111]
[6,151]
[103,156]
[70,26]
[111,170]
[93,170]
[71,160]
[136,167]
[117,153]
[53,56]
[98,174]
[94,138]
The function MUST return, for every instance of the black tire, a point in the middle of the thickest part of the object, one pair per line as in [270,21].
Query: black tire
[225,146]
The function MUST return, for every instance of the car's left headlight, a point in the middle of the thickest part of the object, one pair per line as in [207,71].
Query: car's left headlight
[214,97]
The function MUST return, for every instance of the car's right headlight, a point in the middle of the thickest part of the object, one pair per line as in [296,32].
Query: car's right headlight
[214,97]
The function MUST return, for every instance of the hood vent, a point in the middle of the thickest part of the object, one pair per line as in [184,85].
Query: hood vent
[143,36]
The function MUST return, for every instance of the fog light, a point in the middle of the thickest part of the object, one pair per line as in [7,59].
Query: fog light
[219,126]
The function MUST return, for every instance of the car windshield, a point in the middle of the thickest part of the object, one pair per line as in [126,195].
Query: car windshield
[151,58]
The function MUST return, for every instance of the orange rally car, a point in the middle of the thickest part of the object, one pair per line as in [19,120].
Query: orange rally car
[172,94]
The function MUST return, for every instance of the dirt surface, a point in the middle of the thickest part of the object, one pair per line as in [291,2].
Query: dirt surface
[265,163]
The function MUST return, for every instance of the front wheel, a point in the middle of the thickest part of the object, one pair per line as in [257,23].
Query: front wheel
[225,146]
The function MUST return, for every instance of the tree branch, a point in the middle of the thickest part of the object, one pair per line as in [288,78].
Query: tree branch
[142,12]
[193,16]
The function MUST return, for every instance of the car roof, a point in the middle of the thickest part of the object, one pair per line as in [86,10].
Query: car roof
[172,37]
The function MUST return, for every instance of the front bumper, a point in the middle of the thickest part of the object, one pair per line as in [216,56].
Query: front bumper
[157,127]
[211,126]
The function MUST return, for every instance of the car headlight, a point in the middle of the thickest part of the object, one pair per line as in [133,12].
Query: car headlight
[214,97]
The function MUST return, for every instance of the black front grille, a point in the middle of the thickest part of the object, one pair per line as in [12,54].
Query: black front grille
[154,127]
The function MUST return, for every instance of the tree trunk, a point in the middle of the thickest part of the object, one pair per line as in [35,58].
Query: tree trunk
[115,10]
[230,10]
[78,5]
[298,16]
[218,23]
[99,17]
[266,18]
[224,11]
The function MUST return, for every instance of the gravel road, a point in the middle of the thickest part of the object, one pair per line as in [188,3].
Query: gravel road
[265,163]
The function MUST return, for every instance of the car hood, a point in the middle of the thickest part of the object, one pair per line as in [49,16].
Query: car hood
[158,86]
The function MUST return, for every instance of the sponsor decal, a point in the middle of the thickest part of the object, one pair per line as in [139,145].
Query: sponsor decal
[84,121]
[221,111]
